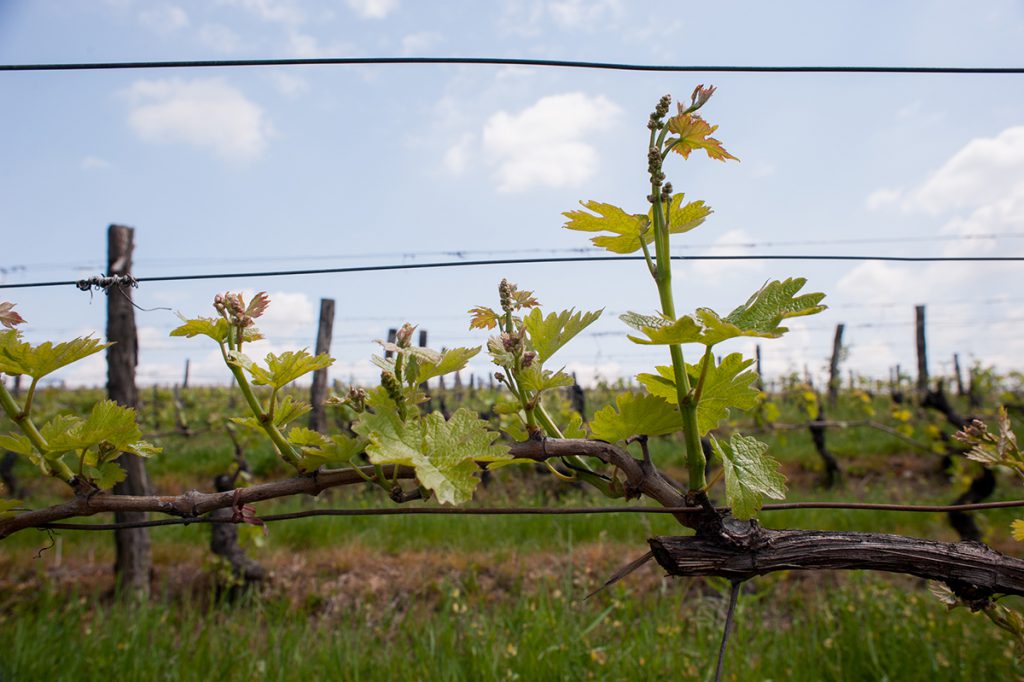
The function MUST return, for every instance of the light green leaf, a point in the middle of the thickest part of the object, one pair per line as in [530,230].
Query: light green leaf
[7,508]
[726,386]
[760,316]
[20,357]
[453,449]
[636,414]
[287,411]
[214,327]
[447,362]
[628,229]
[318,450]
[16,442]
[750,475]
[390,439]
[533,378]
[763,312]
[665,332]
[109,427]
[443,453]
[575,428]
[281,369]
[683,218]
[638,320]
[548,334]
[106,475]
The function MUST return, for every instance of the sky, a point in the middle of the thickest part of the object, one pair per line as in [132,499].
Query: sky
[243,169]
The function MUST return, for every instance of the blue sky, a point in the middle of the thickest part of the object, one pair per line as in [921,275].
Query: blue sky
[257,168]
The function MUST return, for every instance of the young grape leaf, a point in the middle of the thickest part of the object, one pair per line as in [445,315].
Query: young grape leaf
[639,321]
[281,369]
[447,361]
[750,475]
[636,414]
[763,312]
[726,386]
[575,428]
[629,229]
[660,331]
[106,475]
[550,333]
[683,218]
[109,425]
[443,453]
[16,442]
[533,378]
[760,316]
[483,318]
[20,357]
[214,327]
[695,133]
[288,410]
[8,317]
[317,449]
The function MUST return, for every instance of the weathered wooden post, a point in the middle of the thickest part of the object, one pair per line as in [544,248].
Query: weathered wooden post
[184,379]
[134,561]
[959,375]
[757,366]
[833,366]
[922,351]
[318,391]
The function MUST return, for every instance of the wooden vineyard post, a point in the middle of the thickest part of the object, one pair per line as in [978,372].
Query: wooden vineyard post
[428,406]
[757,366]
[958,375]
[833,366]
[133,562]
[318,391]
[922,351]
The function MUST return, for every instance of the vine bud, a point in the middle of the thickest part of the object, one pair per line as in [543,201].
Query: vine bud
[393,387]
[403,337]
[356,399]
[528,358]
[505,295]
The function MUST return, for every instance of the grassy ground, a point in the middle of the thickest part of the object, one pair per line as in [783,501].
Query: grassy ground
[493,598]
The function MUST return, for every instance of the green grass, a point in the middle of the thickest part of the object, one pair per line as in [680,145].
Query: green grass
[861,629]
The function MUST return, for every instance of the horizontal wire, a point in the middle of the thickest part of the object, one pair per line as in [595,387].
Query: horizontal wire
[531,261]
[535,511]
[466,253]
[498,61]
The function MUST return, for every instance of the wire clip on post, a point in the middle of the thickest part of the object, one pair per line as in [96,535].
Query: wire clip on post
[103,283]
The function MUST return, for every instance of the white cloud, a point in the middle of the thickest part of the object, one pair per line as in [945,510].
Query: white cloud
[304,45]
[985,170]
[219,37]
[164,19]
[208,114]
[289,84]
[373,9]
[584,14]
[91,163]
[882,198]
[544,144]
[458,155]
[527,17]
[420,42]
[273,11]
[731,243]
